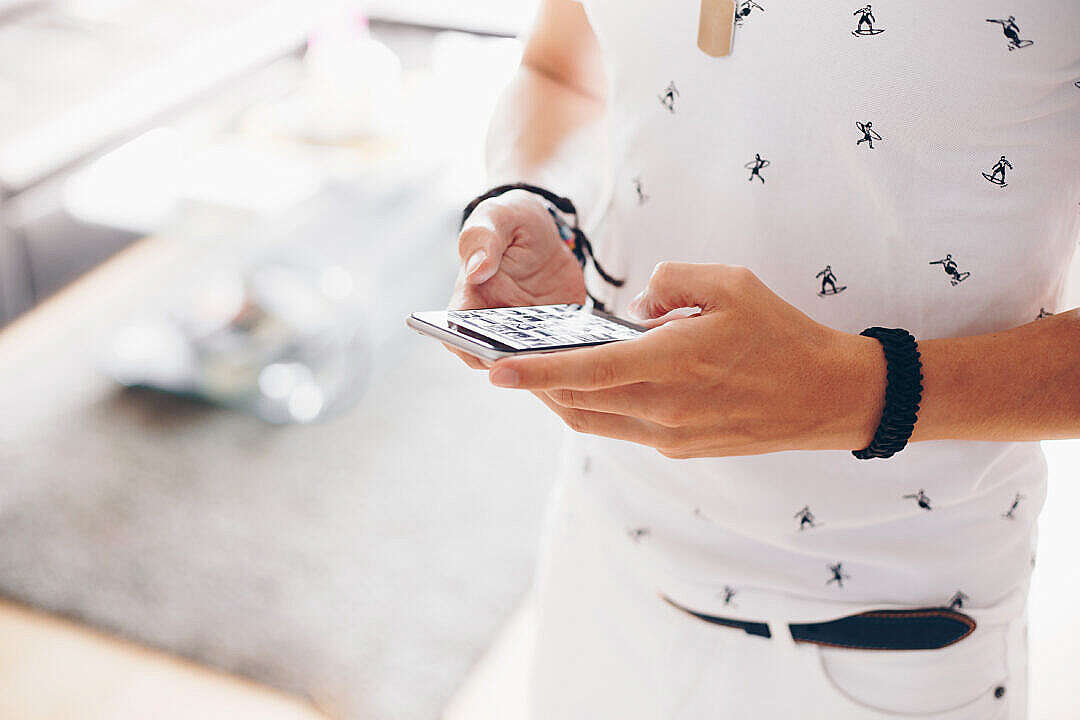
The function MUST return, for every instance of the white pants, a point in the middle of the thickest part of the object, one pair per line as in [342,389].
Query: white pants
[607,646]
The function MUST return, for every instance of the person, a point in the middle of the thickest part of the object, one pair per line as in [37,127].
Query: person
[949,265]
[805,517]
[997,173]
[755,167]
[921,498]
[667,97]
[743,10]
[690,450]
[869,133]
[1012,32]
[828,280]
[866,17]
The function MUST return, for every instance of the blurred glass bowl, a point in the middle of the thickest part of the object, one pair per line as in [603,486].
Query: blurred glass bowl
[282,339]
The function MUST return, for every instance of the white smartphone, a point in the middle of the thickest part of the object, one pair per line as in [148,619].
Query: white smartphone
[493,333]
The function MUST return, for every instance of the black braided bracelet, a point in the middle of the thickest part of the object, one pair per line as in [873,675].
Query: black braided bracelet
[903,393]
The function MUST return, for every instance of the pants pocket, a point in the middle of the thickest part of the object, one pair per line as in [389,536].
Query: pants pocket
[962,681]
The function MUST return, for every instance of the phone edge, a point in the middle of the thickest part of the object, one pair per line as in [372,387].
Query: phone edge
[474,349]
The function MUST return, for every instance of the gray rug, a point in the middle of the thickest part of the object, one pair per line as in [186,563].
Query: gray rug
[364,562]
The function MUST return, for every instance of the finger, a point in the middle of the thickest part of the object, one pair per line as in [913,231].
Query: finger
[481,251]
[674,285]
[619,427]
[593,368]
[483,240]
[463,299]
[466,297]
[471,361]
[677,314]
[659,404]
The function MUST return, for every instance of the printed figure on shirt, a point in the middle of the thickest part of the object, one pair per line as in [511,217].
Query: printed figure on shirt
[869,133]
[1012,32]
[997,173]
[828,282]
[866,22]
[1043,313]
[838,575]
[729,594]
[949,265]
[1010,514]
[636,534]
[806,518]
[742,10]
[642,198]
[958,599]
[755,167]
[921,498]
[667,98]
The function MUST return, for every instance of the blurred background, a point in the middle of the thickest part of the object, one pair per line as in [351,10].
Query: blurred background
[232,483]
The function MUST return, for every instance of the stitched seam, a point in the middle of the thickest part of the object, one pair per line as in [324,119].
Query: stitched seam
[913,613]
[886,616]
[896,621]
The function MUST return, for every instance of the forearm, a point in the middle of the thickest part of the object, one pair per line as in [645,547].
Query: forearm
[1020,384]
[547,133]
[548,127]
[1015,385]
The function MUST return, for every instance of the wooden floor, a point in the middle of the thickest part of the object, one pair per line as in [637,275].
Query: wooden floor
[51,669]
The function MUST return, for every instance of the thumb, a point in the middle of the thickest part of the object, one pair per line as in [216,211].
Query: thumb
[675,285]
[483,240]
[481,251]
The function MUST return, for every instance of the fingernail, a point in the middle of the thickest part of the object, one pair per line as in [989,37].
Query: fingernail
[474,261]
[504,377]
[634,308]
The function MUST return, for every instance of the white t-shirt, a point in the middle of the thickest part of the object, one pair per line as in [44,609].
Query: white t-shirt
[910,166]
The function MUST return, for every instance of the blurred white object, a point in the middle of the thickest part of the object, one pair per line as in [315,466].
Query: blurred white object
[352,89]
[499,17]
[134,187]
[157,355]
[89,72]
[468,75]
[250,175]
[140,185]
[355,82]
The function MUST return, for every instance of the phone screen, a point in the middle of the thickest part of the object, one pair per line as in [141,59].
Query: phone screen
[539,327]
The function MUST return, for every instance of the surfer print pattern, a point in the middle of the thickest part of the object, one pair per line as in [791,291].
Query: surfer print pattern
[909,164]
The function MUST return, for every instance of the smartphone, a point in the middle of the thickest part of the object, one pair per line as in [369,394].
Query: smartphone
[493,333]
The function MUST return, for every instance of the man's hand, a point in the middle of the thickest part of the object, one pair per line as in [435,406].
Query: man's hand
[750,374]
[511,254]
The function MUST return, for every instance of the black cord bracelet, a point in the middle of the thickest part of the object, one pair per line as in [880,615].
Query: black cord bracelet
[903,393]
[572,235]
[563,204]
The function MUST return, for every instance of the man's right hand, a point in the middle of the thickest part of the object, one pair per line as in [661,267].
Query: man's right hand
[511,254]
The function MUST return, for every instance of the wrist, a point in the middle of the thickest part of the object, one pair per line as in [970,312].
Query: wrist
[857,390]
[948,387]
